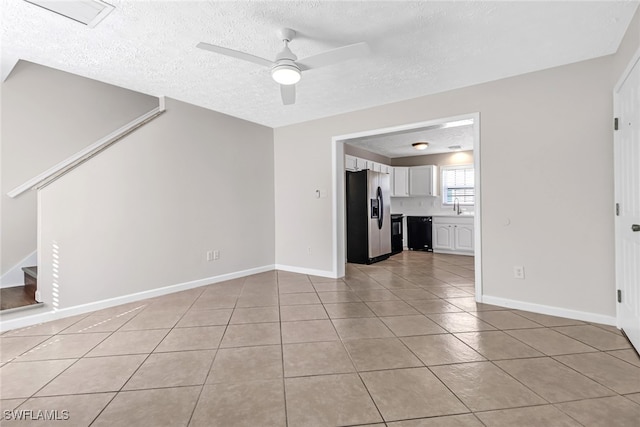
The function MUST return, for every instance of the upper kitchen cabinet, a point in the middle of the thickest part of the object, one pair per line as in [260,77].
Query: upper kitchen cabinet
[423,181]
[400,182]
[352,163]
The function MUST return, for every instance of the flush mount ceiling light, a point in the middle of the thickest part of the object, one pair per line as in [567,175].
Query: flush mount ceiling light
[420,145]
[88,12]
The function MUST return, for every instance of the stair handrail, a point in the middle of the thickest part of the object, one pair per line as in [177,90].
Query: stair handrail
[86,153]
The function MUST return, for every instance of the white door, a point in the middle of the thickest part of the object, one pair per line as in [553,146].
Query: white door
[627,186]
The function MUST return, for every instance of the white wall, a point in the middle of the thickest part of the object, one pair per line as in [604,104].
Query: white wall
[546,169]
[48,115]
[143,213]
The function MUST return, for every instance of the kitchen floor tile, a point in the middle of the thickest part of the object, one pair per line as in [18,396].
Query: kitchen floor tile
[192,318]
[380,353]
[47,328]
[12,347]
[546,320]
[496,345]
[595,337]
[200,338]
[295,287]
[98,323]
[338,286]
[392,308]
[317,358]
[257,301]
[506,320]
[129,342]
[152,320]
[23,379]
[414,294]
[329,400]
[629,355]
[482,386]
[308,331]
[465,420]
[533,416]
[94,375]
[290,313]
[299,299]
[460,322]
[162,407]
[335,297]
[246,364]
[251,335]
[410,393]
[608,411]
[620,376]
[376,295]
[441,349]
[549,341]
[255,315]
[183,368]
[64,347]
[552,380]
[254,403]
[404,326]
[81,409]
[434,306]
[361,328]
[346,310]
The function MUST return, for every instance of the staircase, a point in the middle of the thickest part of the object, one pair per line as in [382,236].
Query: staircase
[21,296]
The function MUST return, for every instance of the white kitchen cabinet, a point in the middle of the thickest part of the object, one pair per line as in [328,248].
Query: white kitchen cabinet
[400,182]
[423,180]
[350,163]
[453,235]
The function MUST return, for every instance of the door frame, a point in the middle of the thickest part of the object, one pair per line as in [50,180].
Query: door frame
[338,216]
[635,61]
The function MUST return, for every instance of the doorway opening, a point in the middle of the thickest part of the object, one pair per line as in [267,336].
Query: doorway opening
[338,177]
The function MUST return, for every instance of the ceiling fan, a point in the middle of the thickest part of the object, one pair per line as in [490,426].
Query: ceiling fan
[286,69]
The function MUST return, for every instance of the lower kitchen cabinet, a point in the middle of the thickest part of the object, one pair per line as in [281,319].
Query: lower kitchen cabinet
[453,235]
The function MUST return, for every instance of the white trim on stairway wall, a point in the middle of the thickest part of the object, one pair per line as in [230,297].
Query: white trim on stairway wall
[15,276]
[86,153]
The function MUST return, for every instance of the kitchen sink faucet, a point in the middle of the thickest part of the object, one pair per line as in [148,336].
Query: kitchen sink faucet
[456,210]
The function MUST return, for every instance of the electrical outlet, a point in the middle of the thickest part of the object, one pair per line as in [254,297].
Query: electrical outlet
[216,255]
[209,255]
[518,272]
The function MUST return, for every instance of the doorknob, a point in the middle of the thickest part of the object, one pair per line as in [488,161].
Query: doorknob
[635,227]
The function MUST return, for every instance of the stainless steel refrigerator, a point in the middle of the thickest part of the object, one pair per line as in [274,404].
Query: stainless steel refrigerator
[368,217]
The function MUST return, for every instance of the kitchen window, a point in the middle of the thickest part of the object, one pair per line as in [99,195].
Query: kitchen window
[458,182]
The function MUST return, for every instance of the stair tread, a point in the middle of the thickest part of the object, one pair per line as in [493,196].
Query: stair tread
[31,271]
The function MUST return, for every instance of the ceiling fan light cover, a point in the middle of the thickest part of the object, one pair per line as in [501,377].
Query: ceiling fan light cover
[286,74]
[420,145]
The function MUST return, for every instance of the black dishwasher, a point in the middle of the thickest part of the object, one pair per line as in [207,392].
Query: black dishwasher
[419,233]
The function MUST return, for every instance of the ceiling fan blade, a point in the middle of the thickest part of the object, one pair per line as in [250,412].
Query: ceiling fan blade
[235,54]
[288,93]
[334,56]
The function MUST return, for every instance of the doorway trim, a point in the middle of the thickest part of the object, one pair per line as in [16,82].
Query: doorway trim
[338,216]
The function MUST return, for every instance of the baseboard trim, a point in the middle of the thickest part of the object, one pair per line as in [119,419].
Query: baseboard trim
[550,310]
[23,321]
[15,276]
[309,271]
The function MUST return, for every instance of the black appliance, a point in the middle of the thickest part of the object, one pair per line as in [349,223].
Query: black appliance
[396,233]
[420,234]
[368,217]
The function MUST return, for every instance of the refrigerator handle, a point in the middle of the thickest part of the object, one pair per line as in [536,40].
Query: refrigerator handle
[380,207]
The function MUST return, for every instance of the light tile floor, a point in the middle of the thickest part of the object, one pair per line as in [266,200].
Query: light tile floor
[399,343]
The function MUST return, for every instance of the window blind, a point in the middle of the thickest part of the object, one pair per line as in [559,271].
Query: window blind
[458,182]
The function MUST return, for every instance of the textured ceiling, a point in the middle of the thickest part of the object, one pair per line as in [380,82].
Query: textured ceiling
[418,48]
[398,144]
